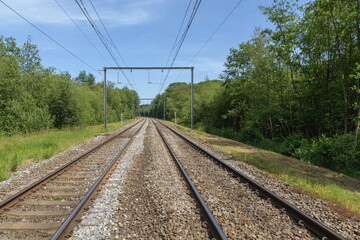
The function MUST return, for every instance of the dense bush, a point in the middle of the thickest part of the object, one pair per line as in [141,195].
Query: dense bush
[223,132]
[21,117]
[33,97]
[291,143]
[250,135]
[247,135]
[337,153]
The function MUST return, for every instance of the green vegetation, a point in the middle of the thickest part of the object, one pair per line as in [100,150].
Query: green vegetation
[294,90]
[33,97]
[43,112]
[342,192]
[56,198]
[22,149]
[320,187]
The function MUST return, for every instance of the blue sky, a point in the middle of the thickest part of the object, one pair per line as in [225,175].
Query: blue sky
[143,30]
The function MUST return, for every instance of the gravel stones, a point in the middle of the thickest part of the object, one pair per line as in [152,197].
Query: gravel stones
[101,213]
[53,201]
[315,207]
[34,172]
[153,202]
[241,213]
[145,197]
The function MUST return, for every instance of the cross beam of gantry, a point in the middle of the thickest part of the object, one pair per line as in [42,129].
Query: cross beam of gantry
[153,68]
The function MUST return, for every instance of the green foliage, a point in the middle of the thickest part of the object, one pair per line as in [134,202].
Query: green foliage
[62,103]
[286,86]
[223,132]
[20,148]
[54,198]
[84,78]
[22,117]
[291,143]
[250,135]
[337,153]
[33,97]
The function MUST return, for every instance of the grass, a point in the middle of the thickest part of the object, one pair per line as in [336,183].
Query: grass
[56,198]
[23,149]
[335,195]
[341,192]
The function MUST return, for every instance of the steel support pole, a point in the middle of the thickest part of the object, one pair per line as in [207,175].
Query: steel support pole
[164,107]
[175,118]
[134,109]
[104,98]
[192,99]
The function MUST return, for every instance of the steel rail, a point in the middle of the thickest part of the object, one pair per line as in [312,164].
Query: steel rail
[66,227]
[214,227]
[22,193]
[315,226]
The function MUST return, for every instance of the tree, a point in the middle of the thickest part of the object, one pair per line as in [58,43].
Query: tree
[84,78]
[283,14]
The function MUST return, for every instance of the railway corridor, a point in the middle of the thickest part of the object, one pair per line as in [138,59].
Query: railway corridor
[162,187]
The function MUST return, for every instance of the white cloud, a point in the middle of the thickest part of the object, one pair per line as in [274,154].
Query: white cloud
[113,13]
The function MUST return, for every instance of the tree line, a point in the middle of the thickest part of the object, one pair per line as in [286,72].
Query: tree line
[33,97]
[294,89]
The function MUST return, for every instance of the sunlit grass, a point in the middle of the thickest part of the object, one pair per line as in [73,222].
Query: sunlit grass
[317,187]
[33,147]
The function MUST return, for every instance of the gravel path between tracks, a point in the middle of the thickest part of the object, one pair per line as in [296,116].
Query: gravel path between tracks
[241,213]
[315,207]
[99,221]
[149,198]
[34,172]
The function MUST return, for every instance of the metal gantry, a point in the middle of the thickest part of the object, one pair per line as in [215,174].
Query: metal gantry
[152,68]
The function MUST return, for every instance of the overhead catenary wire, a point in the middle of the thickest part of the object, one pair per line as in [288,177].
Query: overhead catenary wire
[100,35]
[181,41]
[177,36]
[93,25]
[211,36]
[107,32]
[52,39]
[81,31]
[111,40]
[217,29]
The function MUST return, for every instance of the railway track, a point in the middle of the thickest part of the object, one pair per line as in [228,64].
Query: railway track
[51,206]
[299,218]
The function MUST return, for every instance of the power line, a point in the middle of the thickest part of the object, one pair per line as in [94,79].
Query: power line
[52,39]
[111,40]
[77,26]
[181,41]
[212,35]
[97,31]
[102,23]
[177,36]
[217,29]
[178,33]
[101,36]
